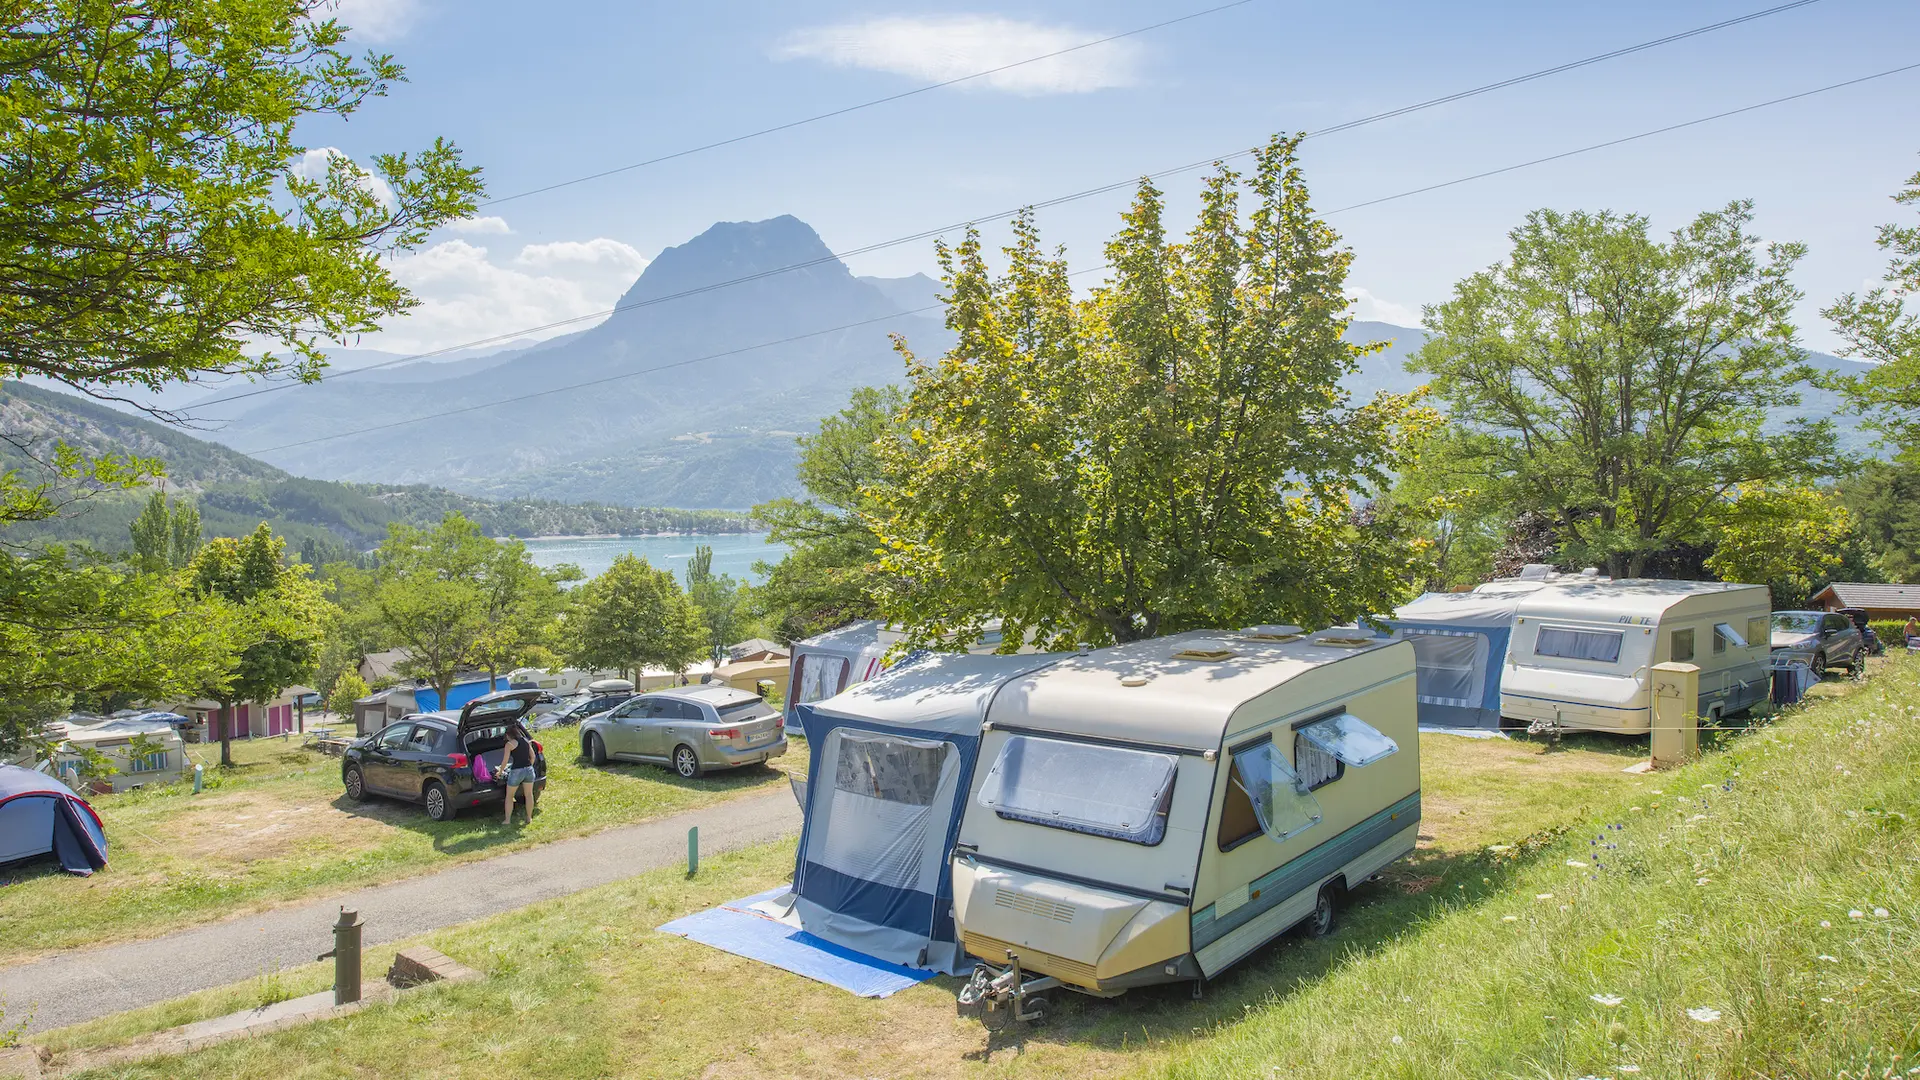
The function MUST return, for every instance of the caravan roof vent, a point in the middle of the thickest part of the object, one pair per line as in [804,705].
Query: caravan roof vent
[1346,641]
[1272,633]
[1212,652]
[1535,571]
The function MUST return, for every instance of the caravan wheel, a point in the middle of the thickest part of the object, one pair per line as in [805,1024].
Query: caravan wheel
[1320,923]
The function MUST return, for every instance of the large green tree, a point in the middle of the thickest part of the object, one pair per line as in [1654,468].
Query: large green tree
[279,614]
[162,218]
[165,537]
[828,575]
[1619,385]
[1878,327]
[1174,451]
[719,600]
[633,617]
[1788,538]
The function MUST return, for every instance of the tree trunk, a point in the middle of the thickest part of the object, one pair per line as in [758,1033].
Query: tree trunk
[445,687]
[226,734]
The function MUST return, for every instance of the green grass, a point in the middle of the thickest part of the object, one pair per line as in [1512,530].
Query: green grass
[1712,897]
[277,827]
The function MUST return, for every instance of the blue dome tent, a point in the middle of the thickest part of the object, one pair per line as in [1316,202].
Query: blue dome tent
[40,816]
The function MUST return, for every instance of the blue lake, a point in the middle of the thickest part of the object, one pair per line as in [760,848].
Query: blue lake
[733,553]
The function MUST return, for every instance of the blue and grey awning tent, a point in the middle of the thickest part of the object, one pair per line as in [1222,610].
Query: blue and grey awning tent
[42,816]
[1459,648]
[891,763]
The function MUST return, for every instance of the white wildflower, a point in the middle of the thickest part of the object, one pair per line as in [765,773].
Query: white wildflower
[1825,925]
[1577,864]
[1856,913]
[1880,913]
[1829,959]
[1705,1014]
[1509,918]
[1397,1040]
[1609,1000]
[1549,896]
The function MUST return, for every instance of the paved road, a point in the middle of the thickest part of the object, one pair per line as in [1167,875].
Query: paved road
[80,985]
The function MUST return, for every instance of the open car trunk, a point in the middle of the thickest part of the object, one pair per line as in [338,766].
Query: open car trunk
[484,723]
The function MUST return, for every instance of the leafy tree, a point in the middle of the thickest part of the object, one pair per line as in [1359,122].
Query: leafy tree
[633,617]
[718,599]
[279,613]
[1879,328]
[162,219]
[828,575]
[1173,452]
[165,538]
[348,688]
[429,595]
[1884,498]
[1618,385]
[522,604]
[1784,537]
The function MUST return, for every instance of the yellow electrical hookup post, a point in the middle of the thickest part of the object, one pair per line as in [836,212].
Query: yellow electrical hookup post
[1676,724]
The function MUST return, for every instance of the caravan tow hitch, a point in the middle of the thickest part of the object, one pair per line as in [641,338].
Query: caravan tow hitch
[995,996]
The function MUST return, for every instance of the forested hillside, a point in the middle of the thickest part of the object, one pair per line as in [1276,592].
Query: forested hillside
[235,492]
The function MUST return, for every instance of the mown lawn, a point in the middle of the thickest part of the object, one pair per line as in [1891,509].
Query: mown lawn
[276,827]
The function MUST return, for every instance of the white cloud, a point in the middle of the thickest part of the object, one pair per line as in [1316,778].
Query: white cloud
[935,48]
[466,294]
[376,20]
[480,226]
[1370,308]
[313,165]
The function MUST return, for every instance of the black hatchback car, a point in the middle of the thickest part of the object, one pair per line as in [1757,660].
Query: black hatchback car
[445,761]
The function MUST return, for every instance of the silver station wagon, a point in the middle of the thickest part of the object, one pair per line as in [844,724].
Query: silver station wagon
[690,729]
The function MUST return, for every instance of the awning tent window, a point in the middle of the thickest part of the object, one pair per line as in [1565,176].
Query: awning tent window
[819,677]
[1601,646]
[1446,666]
[896,770]
[1105,791]
[1350,740]
[1280,802]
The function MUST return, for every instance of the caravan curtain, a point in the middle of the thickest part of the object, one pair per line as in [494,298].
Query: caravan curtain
[1602,646]
[819,677]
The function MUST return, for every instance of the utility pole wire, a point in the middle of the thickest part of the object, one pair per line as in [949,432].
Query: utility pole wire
[1090,270]
[928,234]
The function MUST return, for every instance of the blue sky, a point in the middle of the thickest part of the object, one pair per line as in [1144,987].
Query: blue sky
[542,93]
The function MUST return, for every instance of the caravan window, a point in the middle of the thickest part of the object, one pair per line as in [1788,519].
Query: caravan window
[1724,635]
[819,677]
[1105,791]
[1569,644]
[1315,766]
[1680,646]
[895,770]
[1264,795]
[1757,631]
[1444,666]
[1349,740]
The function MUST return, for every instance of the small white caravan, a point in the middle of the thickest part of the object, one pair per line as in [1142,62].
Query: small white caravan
[1582,651]
[1154,812]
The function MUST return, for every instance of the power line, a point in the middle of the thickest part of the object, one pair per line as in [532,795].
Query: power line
[927,234]
[790,125]
[1089,270]
[1622,139]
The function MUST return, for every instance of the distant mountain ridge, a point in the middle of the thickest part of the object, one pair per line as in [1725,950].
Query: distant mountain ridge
[689,395]
[722,348]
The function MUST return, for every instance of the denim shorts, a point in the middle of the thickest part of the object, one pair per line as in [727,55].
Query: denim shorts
[516,777]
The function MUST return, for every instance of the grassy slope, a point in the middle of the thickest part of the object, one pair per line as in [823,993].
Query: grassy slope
[281,830]
[585,986]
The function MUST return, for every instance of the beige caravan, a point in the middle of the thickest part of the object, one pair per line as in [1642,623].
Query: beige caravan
[1154,812]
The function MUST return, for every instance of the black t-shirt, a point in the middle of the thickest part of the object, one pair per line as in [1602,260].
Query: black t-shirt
[522,750]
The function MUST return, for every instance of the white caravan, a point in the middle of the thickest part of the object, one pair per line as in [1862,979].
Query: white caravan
[1153,812]
[1582,651]
[828,663]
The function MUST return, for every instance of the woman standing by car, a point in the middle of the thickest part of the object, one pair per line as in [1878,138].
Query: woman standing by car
[520,771]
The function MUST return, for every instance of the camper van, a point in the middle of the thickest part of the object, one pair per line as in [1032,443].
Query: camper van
[1156,811]
[1581,652]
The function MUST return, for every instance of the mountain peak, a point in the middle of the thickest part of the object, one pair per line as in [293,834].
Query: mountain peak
[780,260]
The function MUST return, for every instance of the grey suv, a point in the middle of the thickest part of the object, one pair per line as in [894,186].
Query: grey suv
[690,729]
[1821,638]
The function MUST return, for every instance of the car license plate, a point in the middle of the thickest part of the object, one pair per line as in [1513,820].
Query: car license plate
[762,738]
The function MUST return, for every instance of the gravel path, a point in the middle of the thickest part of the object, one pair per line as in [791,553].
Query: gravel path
[81,985]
